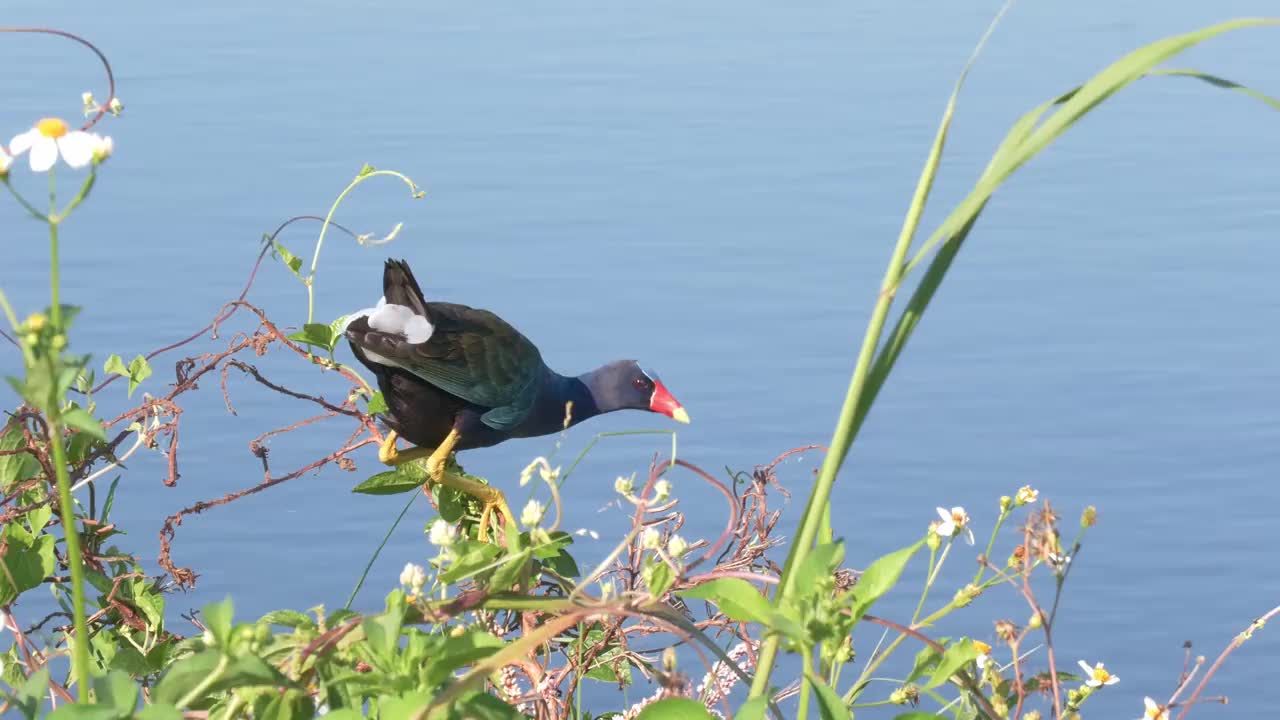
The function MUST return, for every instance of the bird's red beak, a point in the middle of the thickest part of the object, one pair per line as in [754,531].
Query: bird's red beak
[663,402]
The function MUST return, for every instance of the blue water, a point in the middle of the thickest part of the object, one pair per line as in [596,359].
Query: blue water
[714,189]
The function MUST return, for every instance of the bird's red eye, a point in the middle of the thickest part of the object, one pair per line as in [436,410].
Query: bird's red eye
[641,383]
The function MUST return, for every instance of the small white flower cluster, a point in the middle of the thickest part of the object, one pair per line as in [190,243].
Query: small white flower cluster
[651,539]
[545,471]
[532,514]
[413,577]
[442,534]
[51,138]
[626,487]
[720,681]
[91,106]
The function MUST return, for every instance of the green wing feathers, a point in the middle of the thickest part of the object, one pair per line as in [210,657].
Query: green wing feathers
[478,357]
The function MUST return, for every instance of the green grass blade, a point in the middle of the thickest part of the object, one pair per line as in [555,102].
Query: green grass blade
[1218,82]
[1024,143]
[816,514]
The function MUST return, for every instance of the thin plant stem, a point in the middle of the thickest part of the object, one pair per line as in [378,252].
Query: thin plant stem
[802,712]
[328,220]
[23,202]
[67,510]
[977,577]
[373,558]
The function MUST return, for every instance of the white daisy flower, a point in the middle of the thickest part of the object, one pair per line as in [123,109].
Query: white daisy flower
[1097,675]
[955,521]
[1026,495]
[52,137]
[1153,711]
[984,653]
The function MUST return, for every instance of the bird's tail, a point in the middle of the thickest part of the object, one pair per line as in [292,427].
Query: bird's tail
[400,288]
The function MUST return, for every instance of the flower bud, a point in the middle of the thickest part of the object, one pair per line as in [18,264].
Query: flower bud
[661,491]
[677,546]
[966,595]
[1089,517]
[904,695]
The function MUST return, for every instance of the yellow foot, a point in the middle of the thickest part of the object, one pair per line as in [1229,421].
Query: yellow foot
[492,502]
[388,455]
[387,450]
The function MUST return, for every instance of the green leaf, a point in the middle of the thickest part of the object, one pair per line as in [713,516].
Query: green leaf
[31,695]
[139,370]
[753,709]
[508,572]
[917,715]
[110,501]
[403,707]
[150,602]
[377,404]
[877,579]
[365,169]
[456,652]
[115,366]
[80,419]
[26,564]
[116,690]
[1074,105]
[821,562]
[217,620]
[483,706]
[38,518]
[736,598]
[290,705]
[830,705]
[291,261]
[343,714]
[383,633]
[159,711]
[472,558]
[958,654]
[335,330]
[15,468]
[241,672]
[675,708]
[288,618]
[405,478]
[657,576]
[85,712]
[317,334]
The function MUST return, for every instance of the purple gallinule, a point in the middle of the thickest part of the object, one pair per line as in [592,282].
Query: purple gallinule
[456,378]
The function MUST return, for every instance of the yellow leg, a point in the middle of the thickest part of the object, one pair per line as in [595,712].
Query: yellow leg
[491,499]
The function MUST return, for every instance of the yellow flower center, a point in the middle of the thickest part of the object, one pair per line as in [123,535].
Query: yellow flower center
[959,519]
[52,127]
[1100,674]
[981,647]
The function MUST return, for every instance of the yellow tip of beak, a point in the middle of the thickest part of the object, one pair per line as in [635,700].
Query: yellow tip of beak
[680,415]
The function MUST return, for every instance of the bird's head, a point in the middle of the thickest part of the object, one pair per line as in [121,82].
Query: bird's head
[626,385]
